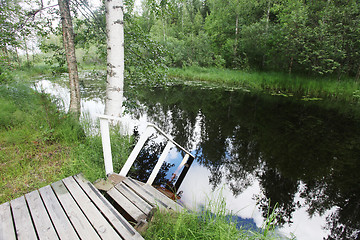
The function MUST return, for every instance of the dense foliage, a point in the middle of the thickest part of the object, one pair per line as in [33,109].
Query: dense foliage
[292,36]
[143,57]
[316,37]
[21,24]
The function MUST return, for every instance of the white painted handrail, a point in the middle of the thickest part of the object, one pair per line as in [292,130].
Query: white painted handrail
[159,163]
[105,137]
[169,138]
[135,152]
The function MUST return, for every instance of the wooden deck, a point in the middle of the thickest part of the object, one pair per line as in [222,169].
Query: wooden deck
[136,199]
[74,209]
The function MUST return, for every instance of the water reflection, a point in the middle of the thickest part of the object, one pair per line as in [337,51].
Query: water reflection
[279,142]
[264,151]
[147,159]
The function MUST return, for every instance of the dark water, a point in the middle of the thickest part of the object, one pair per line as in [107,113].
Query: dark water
[302,157]
[261,152]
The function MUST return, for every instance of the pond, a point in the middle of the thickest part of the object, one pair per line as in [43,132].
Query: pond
[259,151]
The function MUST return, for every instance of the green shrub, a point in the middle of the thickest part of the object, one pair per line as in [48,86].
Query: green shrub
[9,114]
[5,74]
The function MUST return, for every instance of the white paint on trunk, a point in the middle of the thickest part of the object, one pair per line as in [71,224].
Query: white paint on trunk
[115,57]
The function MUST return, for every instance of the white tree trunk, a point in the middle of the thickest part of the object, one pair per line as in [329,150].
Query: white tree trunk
[266,30]
[236,35]
[115,57]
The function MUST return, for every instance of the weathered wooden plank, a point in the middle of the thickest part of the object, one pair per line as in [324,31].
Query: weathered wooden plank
[126,205]
[117,221]
[171,204]
[115,178]
[76,216]
[60,220]
[138,182]
[159,195]
[7,231]
[22,220]
[134,198]
[144,194]
[41,219]
[101,225]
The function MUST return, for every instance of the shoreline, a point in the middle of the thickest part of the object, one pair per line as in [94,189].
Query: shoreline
[273,83]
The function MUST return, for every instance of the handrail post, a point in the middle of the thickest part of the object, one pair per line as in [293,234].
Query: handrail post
[105,137]
[187,161]
[135,152]
[159,163]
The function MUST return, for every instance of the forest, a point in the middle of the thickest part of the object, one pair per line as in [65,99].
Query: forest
[306,37]
[295,140]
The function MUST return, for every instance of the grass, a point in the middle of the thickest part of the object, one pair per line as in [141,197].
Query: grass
[275,83]
[40,144]
[27,73]
[92,66]
[212,222]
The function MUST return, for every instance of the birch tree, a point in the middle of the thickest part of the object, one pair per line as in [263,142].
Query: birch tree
[115,57]
[68,37]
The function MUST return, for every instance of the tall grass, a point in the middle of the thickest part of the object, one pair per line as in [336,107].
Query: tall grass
[27,73]
[40,144]
[274,83]
[32,150]
[214,221]
[87,156]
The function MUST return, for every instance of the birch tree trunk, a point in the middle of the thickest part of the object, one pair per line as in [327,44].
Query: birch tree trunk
[236,35]
[266,31]
[26,52]
[115,57]
[68,37]
[17,57]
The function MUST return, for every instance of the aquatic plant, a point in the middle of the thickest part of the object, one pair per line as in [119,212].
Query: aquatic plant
[273,82]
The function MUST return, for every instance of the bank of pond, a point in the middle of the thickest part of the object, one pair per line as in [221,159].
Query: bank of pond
[294,156]
[275,83]
[41,144]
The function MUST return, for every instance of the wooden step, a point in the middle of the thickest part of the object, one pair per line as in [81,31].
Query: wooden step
[136,199]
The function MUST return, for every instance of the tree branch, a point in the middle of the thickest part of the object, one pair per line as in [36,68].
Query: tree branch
[32,14]
[36,11]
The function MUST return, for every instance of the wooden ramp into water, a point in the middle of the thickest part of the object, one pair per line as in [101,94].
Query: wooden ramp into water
[136,200]
[74,209]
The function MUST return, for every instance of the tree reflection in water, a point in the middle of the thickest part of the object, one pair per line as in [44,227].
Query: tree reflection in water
[294,149]
[281,142]
[147,159]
